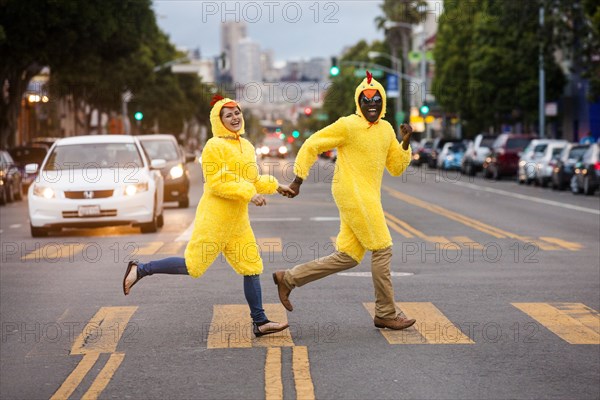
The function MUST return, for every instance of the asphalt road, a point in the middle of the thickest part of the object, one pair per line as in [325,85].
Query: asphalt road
[503,279]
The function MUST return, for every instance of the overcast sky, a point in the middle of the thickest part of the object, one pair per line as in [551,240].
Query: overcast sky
[292,29]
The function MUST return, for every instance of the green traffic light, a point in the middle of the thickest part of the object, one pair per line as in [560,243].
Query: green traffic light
[282,136]
[138,116]
[296,134]
[334,71]
[424,109]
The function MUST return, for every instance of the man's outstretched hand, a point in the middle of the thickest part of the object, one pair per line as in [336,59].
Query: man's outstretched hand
[407,132]
[295,186]
[286,191]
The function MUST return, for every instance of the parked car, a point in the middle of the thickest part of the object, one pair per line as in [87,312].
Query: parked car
[175,172]
[422,152]
[96,180]
[476,153]
[24,155]
[272,146]
[527,160]
[438,145]
[10,179]
[546,162]
[586,177]
[504,156]
[563,170]
[451,156]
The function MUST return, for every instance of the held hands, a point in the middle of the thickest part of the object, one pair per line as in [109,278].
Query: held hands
[258,200]
[295,187]
[286,191]
[407,132]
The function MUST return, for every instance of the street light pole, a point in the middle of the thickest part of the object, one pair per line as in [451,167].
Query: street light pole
[542,81]
[398,68]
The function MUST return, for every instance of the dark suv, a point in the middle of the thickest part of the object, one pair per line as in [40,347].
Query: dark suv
[504,156]
[175,172]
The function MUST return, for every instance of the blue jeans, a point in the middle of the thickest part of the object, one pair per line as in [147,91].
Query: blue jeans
[176,266]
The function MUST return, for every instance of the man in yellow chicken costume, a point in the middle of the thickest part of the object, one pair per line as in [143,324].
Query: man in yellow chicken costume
[222,225]
[366,146]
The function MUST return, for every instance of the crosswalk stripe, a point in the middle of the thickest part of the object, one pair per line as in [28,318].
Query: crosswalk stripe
[432,327]
[74,379]
[273,382]
[148,249]
[269,244]
[54,251]
[103,332]
[104,376]
[305,389]
[172,248]
[231,327]
[575,323]
[562,243]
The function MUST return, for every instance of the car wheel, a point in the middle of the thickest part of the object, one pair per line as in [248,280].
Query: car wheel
[3,196]
[160,221]
[574,186]
[496,175]
[185,202]
[10,197]
[38,232]
[152,226]
[587,187]
[19,192]
[470,170]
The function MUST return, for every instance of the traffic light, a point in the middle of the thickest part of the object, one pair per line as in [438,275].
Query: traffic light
[138,116]
[308,111]
[296,134]
[424,109]
[335,69]
[282,136]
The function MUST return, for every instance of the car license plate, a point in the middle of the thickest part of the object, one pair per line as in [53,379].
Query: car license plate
[88,211]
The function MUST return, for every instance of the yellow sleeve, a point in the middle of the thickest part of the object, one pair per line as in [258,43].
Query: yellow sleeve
[266,184]
[397,159]
[221,181]
[328,138]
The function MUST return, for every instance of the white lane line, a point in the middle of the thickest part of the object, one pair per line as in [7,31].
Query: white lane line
[15,226]
[325,219]
[525,197]
[368,274]
[1,230]
[186,235]
[274,219]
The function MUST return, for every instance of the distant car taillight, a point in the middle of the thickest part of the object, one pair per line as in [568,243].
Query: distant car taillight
[597,166]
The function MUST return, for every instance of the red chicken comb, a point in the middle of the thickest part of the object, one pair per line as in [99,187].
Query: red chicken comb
[215,99]
[369,76]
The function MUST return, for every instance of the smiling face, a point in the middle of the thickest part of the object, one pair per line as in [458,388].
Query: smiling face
[232,118]
[371,107]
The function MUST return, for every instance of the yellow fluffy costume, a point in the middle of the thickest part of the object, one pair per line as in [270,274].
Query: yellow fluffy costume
[222,224]
[364,150]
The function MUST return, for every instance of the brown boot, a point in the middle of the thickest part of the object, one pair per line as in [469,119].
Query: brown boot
[284,291]
[397,323]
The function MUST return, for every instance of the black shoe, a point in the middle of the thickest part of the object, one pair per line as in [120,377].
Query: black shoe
[133,279]
[268,328]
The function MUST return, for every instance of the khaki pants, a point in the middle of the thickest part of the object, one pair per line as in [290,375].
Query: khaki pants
[380,270]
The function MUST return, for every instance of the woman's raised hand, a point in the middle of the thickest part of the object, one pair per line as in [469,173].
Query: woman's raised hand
[259,200]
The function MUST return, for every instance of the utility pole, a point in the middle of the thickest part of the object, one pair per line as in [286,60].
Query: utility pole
[542,79]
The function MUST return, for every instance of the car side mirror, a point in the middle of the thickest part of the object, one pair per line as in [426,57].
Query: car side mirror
[158,163]
[31,168]
[189,157]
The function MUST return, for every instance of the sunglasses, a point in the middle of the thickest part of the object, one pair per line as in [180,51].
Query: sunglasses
[375,99]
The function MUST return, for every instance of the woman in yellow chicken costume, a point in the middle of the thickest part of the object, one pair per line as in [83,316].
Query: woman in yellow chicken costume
[222,225]
[367,145]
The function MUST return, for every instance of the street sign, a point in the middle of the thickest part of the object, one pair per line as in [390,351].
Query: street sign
[362,72]
[392,86]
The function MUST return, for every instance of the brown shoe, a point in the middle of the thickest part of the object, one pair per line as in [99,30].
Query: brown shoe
[397,323]
[268,328]
[131,277]
[284,291]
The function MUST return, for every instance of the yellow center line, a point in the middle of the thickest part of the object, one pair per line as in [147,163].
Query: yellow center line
[104,376]
[410,230]
[573,322]
[304,385]
[467,242]
[74,379]
[172,248]
[103,332]
[397,228]
[54,251]
[273,382]
[562,243]
[148,249]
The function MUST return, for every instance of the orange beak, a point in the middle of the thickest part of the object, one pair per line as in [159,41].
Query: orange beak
[369,93]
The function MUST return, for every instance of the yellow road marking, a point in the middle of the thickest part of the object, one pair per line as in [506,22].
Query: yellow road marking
[273,382]
[231,327]
[148,249]
[573,322]
[54,251]
[432,327]
[172,248]
[269,244]
[408,230]
[398,229]
[103,332]
[562,243]
[75,378]
[104,376]
[304,385]
[467,242]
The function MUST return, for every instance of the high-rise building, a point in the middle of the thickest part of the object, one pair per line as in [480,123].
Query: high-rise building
[231,34]
[248,66]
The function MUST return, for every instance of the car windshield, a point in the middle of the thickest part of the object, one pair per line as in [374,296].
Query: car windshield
[457,148]
[578,152]
[517,143]
[556,151]
[540,148]
[90,155]
[28,155]
[428,145]
[487,141]
[161,149]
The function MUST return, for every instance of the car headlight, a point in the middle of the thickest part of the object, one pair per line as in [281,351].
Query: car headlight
[44,191]
[522,163]
[264,149]
[449,158]
[282,150]
[135,188]
[176,171]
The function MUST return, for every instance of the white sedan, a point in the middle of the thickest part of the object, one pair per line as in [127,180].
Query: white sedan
[96,180]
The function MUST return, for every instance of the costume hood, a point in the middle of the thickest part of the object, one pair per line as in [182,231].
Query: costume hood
[218,129]
[370,83]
